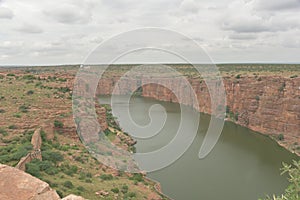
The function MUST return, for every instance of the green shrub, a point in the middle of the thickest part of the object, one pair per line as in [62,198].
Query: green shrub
[17,115]
[238,76]
[10,74]
[30,92]
[29,77]
[2,111]
[33,169]
[130,195]
[115,190]
[3,132]
[280,137]
[58,124]
[80,188]
[294,76]
[52,156]
[23,108]
[124,189]
[12,126]
[106,177]
[68,184]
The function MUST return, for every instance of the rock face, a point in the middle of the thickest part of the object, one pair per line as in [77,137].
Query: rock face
[16,184]
[268,104]
[36,153]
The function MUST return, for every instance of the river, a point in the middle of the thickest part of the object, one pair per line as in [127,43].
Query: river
[244,165]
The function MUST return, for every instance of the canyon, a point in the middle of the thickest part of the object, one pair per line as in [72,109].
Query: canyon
[266,104]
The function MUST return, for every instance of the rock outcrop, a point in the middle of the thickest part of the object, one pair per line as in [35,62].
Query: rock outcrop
[16,184]
[36,153]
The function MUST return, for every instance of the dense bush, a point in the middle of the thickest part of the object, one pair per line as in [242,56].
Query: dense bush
[106,177]
[115,190]
[58,124]
[68,184]
[52,156]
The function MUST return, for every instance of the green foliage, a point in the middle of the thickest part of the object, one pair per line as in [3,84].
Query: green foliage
[64,89]
[23,108]
[115,190]
[68,184]
[257,98]
[280,137]
[124,189]
[12,126]
[106,177]
[294,76]
[238,76]
[2,111]
[292,192]
[33,169]
[53,156]
[137,177]
[3,132]
[30,92]
[281,89]
[29,77]
[17,115]
[10,74]
[58,124]
[236,116]
[130,195]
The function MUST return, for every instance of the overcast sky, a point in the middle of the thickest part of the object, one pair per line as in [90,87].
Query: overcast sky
[65,31]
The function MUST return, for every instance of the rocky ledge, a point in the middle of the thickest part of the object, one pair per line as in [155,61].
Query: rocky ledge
[16,184]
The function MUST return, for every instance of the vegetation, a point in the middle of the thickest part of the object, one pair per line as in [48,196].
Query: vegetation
[292,192]
[58,124]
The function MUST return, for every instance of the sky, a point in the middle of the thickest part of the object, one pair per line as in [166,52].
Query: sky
[35,32]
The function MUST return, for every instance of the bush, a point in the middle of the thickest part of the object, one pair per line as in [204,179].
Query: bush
[23,108]
[130,195]
[124,189]
[52,156]
[280,137]
[137,177]
[106,177]
[68,184]
[115,190]
[10,74]
[12,126]
[2,111]
[29,77]
[30,92]
[238,76]
[33,169]
[58,124]
[3,132]
[294,76]
[17,115]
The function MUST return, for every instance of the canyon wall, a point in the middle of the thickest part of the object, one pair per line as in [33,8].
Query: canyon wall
[267,104]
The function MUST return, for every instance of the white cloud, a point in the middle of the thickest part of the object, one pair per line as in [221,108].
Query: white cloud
[66,31]
[6,13]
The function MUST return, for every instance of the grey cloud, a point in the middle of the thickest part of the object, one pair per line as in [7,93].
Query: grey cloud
[29,28]
[278,4]
[69,14]
[242,36]
[6,13]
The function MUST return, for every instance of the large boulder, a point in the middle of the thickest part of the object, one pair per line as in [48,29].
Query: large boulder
[16,184]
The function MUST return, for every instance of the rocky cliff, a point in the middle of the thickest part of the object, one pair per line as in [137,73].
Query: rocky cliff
[267,104]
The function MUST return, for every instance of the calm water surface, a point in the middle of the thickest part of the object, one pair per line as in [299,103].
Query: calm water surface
[244,165]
